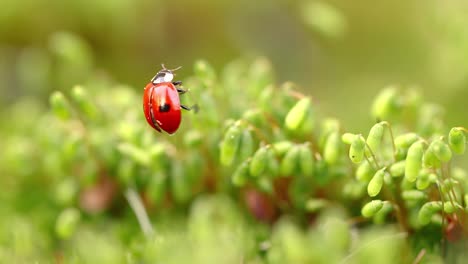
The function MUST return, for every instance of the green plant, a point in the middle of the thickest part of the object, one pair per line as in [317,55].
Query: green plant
[259,175]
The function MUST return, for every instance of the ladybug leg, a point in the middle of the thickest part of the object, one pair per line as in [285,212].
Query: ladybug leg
[194,107]
[181,91]
[176,83]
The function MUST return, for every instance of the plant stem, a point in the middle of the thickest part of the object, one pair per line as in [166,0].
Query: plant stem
[140,212]
[420,256]
[393,140]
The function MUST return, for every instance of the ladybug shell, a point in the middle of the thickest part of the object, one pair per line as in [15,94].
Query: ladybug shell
[161,106]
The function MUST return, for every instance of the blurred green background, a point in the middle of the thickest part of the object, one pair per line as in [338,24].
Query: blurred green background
[341,52]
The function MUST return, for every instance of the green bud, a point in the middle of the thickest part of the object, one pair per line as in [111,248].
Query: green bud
[428,210]
[282,147]
[386,104]
[424,180]
[375,185]
[450,207]
[332,149]
[60,105]
[254,117]
[289,164]
[84,103]
[272,163]
[67,223]
[328,126]
[448,185]
[457,140]
[371,208]
[406,140]
[306,160]
[375,136]
[430,160]
[230,145]
[413,195]
[379,217]
[356,151]
[442,150]
[314,205]
[388,180]
[241,174]
[298,115]
[258,163]
[400,154]
[414,161]
[348,138]
[205,72]
[365,172]
[247,145]
[398,168]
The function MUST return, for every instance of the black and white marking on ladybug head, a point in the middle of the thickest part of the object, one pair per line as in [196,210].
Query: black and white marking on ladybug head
[163,76]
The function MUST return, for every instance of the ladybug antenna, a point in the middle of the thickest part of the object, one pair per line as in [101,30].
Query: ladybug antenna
[171,70]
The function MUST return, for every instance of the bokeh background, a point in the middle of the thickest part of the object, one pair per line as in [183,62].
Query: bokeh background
[341,52]
[338,51]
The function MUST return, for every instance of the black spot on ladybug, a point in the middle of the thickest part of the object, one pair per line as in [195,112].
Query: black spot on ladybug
[164,108]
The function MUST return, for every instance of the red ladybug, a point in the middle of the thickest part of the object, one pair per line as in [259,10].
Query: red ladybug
[161,103]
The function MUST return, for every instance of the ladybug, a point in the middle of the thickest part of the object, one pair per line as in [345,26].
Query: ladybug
[161,104]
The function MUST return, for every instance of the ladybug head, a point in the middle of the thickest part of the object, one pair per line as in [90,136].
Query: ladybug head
[164,75]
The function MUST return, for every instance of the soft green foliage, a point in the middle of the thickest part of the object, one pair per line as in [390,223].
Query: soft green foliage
[258,176]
